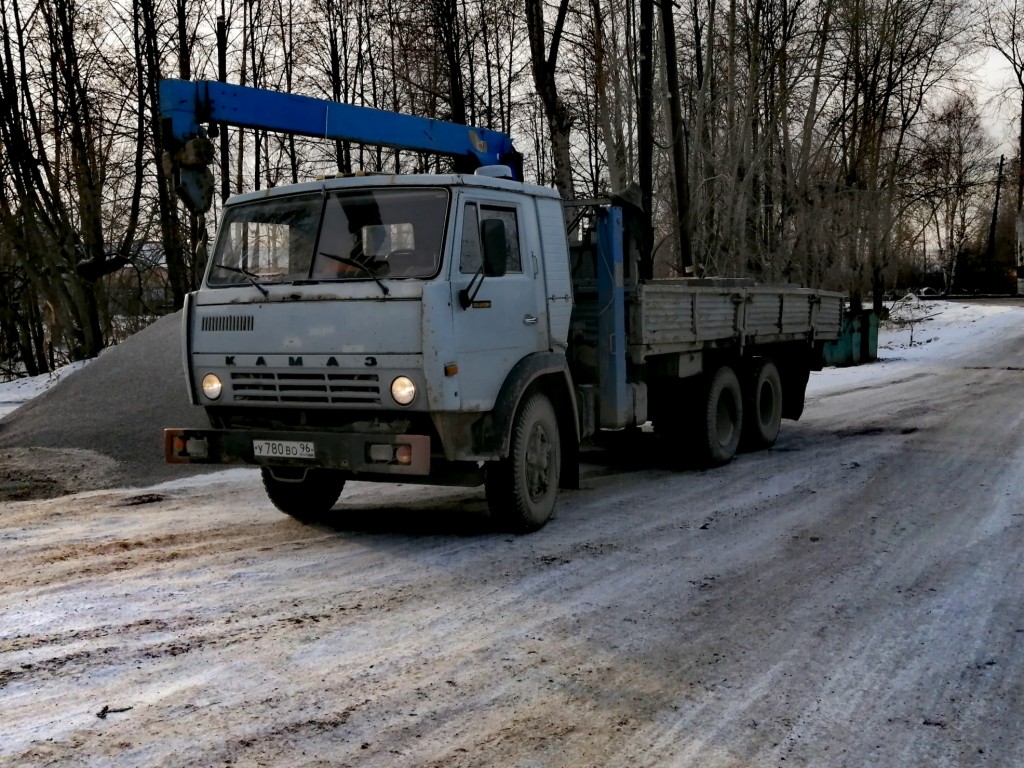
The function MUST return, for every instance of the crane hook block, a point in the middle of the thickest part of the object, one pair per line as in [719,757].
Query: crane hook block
[195,188]
[189,170]
[196,152]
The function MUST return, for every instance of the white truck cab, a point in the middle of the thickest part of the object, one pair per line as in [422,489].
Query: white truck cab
[366,325]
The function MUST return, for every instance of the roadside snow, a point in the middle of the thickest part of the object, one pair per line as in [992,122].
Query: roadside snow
[921,333]
[927,329]
[19,391]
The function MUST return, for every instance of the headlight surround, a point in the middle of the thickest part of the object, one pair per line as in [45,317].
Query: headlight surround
[212,386]
[403,390]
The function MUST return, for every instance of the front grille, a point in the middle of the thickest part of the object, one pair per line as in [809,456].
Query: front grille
[326,388]
[228,322]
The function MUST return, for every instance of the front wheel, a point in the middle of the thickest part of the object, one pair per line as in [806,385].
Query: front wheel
[307,494]
[521,489]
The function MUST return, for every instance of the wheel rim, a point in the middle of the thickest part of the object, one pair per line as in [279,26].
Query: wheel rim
[538,463]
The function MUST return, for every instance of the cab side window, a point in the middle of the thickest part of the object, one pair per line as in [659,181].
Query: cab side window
[471,258]
[473,216]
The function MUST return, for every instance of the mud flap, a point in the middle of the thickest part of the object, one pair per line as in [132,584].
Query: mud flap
[794,387]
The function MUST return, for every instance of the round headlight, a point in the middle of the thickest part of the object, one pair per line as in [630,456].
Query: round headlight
[212,386]
[403,390]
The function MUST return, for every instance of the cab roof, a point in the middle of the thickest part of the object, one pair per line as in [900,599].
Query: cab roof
[397,180]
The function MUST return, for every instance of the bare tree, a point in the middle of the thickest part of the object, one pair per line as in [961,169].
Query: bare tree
[895,55]
[544,60]
[51,201]
[955,162]
[1004,32]
[613,98]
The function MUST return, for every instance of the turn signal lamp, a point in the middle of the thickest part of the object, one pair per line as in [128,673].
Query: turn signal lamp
[403,454]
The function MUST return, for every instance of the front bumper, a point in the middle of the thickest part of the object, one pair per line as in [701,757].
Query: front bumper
[346,451]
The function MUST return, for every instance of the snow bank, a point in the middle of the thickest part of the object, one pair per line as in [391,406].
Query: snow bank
[20,391]
[922,333]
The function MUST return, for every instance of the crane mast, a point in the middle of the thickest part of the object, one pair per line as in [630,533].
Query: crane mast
[186,105]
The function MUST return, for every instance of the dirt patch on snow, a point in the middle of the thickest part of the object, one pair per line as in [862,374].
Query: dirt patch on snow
[42,473]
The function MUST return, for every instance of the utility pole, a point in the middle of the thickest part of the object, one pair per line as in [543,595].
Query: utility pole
[645,153]
[991,250]
[222,75]
[676,137]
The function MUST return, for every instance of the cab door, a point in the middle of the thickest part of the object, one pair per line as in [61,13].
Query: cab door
[506,319]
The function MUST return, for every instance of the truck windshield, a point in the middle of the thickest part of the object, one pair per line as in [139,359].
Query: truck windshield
[364,234]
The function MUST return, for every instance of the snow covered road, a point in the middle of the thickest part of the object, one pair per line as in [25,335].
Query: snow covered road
[849,598]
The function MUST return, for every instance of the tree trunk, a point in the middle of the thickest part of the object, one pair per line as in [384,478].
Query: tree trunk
[677,136]
[544,61]
[645,139]
[170,224]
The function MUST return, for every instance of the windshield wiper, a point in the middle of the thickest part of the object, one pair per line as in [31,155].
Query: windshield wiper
[358,265]
[250,276]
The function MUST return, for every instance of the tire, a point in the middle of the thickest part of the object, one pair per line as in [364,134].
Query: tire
[762,414]
[309,496]
[720,419]
[522,489]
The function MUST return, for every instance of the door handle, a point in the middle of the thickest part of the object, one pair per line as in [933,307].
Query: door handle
[530,320]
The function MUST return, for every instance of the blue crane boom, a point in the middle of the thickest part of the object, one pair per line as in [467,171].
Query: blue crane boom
[186,104]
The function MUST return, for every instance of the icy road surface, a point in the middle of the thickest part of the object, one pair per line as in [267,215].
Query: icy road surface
[851,598]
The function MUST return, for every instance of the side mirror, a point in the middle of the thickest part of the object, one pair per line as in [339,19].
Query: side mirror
[495,259]
[495,247]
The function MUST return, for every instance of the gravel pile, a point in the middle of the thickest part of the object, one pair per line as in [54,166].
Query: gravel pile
[102,426]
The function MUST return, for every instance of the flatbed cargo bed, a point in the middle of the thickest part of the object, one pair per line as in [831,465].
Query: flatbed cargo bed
[671,316]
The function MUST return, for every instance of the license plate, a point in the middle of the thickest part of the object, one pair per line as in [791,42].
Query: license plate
[283,449]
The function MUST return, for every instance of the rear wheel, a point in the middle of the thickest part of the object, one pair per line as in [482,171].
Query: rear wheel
[720,417]
[305,494]
[763,413]
[521,489]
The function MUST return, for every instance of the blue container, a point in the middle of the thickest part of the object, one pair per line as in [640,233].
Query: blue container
[870,331]
[857,342]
